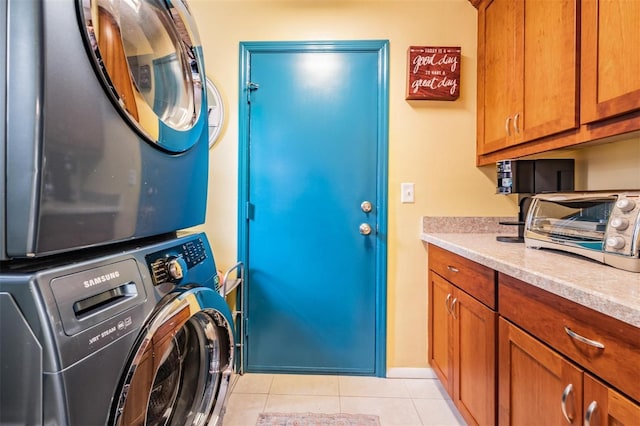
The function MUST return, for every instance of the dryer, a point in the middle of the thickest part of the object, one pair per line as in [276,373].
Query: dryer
[104,123]
[134,336]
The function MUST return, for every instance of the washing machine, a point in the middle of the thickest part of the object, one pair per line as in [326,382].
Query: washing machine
[104,128]
[134,336]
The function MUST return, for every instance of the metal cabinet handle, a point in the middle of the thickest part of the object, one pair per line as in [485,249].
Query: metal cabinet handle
[446,303]
[453,268]
[515,122]
[568,391]
[453,307]
[582,339]
[507,128]
[591,411]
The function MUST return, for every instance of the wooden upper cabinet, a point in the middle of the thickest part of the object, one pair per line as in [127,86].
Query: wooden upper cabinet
[610,55]
[496,102]
[527,71]
[549,73]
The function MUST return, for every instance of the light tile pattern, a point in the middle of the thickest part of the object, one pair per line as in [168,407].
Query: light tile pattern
[405,402]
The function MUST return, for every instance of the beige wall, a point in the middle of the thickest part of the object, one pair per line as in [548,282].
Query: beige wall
[430,143]
[610,166]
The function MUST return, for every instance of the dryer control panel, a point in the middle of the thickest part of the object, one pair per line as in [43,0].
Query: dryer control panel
[172,265]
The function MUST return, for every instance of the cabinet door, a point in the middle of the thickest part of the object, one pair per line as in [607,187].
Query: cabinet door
[440,335]
[549,317]
[604,406]
[536,385]
[496,50]
[527,71]
[474,349]
[546,69]
[610,55]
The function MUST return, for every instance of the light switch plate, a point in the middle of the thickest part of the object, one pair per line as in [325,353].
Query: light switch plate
[407,192]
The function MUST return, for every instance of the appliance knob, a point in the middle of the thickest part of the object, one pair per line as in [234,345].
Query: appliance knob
[175,268]
[615,242]
[625,204]
[620,223]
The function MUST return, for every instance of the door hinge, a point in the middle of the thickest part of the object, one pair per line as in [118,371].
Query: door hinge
[249,211]
[251,86]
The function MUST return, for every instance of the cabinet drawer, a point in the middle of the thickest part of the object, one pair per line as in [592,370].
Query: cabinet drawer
[551,318]
[477,280]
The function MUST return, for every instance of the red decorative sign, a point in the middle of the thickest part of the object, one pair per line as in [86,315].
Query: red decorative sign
[433,73]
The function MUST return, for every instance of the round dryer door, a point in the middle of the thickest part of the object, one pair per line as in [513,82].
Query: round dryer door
[148,56]
[180,369]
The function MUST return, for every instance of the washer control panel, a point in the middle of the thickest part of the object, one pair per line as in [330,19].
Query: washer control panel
[172,265]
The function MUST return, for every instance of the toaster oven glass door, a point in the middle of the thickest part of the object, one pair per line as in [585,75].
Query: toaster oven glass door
[580,221]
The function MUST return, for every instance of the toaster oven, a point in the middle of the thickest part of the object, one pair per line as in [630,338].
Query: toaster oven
[601,225]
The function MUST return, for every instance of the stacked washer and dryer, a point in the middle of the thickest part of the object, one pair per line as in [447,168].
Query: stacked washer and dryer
[107,316]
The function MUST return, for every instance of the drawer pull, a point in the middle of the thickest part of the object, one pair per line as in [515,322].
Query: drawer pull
[568,391]
[582,339]
[453,268]
[591,411]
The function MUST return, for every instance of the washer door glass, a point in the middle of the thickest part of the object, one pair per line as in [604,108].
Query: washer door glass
[148,55]
[181,367]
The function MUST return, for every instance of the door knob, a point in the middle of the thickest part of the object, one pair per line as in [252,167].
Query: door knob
[365,229]
[366,206]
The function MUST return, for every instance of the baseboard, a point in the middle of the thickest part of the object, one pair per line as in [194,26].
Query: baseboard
[410,373]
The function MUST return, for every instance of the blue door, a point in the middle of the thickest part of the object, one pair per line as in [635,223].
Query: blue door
[313,200]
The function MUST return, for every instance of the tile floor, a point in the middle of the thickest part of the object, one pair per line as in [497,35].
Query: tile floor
[405,402]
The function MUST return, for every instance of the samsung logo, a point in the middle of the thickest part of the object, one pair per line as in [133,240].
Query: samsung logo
[101,279]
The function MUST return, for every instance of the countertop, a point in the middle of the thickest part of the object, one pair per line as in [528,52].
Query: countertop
[605,289]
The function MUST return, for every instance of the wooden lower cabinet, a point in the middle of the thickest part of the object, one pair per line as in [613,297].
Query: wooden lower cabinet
[462,349]
[523,360]
[605,406]
[440,330]
[533,380]
[474,358]
[538,386]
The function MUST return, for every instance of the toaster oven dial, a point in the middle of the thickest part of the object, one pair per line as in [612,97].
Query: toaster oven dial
[619,223]
[625,204]
[615,242]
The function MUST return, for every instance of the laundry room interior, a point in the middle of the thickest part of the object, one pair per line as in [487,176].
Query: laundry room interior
[431,144]
[254,213]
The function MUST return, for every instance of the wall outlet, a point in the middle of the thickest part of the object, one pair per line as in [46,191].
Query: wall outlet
[407,192]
